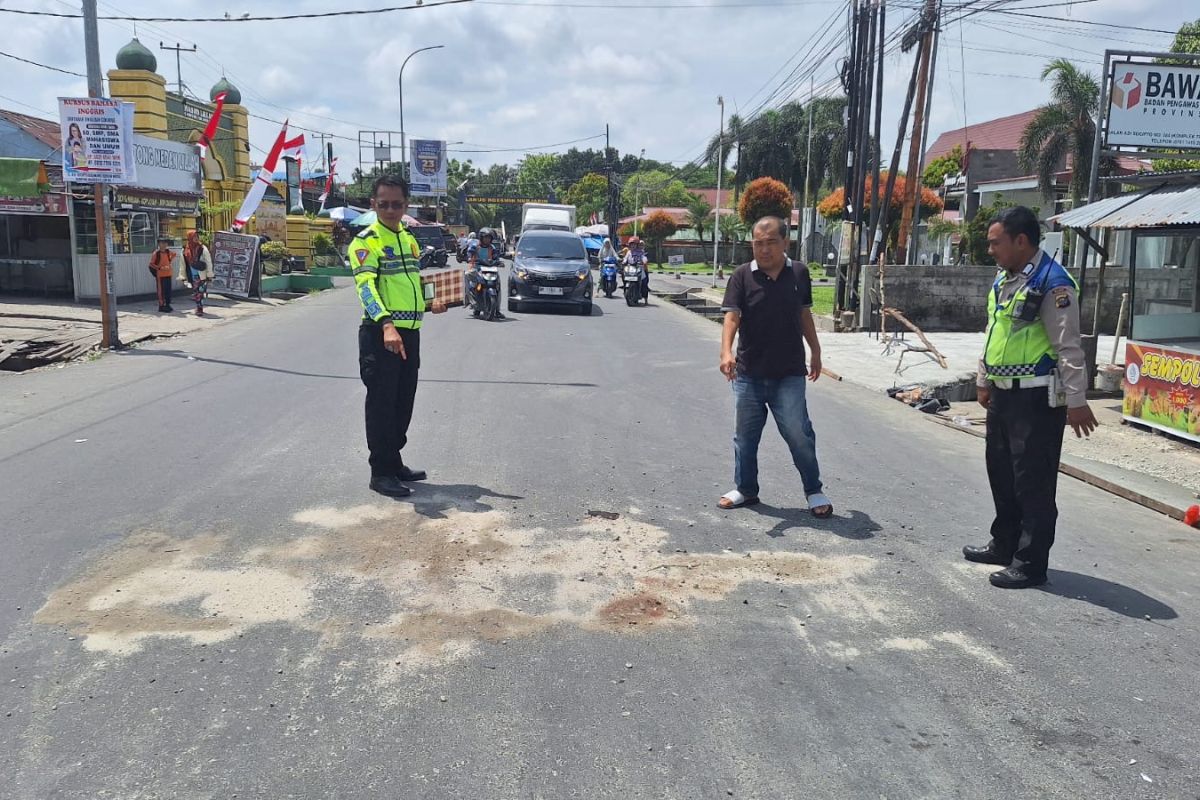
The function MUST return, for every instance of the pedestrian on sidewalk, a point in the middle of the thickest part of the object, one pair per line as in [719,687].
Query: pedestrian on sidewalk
[768,306]
[197,269]
[160,267]
[385,259]
[1033,383]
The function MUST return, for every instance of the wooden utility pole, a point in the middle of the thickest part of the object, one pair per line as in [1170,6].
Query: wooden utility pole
[109,336]
[913,180]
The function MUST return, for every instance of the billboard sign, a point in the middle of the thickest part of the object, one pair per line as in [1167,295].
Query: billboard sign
[1155,106]
[1162,388]
[97,140]
[427,167]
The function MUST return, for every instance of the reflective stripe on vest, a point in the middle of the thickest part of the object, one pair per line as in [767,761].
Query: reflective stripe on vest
[1015,348]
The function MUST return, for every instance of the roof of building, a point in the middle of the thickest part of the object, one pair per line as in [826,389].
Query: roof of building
[997,134]
[43,130]
[710,196]
[1154,208]
[135,55]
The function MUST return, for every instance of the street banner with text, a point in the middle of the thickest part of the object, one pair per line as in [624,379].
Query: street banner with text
[427,167]
[97,140]
[1162,388]
[1154,105]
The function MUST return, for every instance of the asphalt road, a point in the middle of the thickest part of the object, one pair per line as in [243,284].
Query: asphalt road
[200,598]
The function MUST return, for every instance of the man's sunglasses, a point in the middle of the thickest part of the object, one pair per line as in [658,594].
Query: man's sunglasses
[386,204]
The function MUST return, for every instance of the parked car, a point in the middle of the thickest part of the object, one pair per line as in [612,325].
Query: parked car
[431,236]
[550,268]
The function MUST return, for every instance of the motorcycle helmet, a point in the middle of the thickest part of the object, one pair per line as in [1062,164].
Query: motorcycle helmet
[472,235]
[634,241]
[486,232]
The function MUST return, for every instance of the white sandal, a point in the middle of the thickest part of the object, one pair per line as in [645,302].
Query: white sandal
[818,500]
[736,500]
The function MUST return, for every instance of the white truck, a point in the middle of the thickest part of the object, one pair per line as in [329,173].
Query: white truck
[547,217]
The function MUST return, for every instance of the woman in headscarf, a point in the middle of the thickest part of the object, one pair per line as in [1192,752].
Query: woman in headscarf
[197,263]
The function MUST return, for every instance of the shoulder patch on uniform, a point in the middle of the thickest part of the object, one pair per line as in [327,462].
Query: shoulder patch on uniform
[362,254]
[1062,297]
[366,233]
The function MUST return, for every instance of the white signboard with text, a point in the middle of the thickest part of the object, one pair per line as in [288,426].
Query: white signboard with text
[97,140]
[167,166]
[1154,106]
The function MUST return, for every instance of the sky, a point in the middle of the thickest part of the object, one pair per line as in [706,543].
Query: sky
[518,76]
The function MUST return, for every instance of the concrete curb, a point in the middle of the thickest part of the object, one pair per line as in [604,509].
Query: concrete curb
[1169,506]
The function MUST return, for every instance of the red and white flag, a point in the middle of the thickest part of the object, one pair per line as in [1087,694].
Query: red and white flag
[262,180]
[595,218]
[294,148]
[210,130]
[329,182]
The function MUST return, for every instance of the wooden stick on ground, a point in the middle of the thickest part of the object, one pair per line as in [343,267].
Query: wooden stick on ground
[895,314]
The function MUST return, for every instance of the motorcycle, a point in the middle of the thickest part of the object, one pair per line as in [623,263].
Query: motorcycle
[485,290]
[634,275]
[461,255]
[608,277]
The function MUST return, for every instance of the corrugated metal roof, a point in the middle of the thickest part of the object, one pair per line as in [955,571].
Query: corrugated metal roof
[1163,206]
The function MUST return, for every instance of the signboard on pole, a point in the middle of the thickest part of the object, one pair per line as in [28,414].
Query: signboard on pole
[295,204]
[235,264]
[675,261]
[1154,105]
[1162,388]
[427,167]
[97,140]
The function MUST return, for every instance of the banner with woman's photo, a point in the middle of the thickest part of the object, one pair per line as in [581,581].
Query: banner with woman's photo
[97,140]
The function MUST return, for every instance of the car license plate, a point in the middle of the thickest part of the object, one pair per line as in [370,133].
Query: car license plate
[550,289]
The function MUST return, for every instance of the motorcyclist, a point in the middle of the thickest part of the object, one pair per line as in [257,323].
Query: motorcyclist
[637,256]
[608,255]
[485,250]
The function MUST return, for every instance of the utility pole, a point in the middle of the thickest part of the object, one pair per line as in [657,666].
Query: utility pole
[178,64]
[913,184]
[808,173]
[610,218]
[720,169]
[109,337]
[937,30]
[850,84]
[877,149]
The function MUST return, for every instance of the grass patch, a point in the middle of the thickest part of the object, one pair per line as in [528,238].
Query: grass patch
[695,269]
[822,300]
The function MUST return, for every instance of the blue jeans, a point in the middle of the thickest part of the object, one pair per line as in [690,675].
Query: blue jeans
[786,400]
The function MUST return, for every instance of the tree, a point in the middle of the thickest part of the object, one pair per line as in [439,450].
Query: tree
[731,227]
[975,234]
[538,175]
[1064,127]
[941,168]
[832,206]
[1187,40]
[765,197]
[699,210]
[653,189]
[659,225]
[589,194]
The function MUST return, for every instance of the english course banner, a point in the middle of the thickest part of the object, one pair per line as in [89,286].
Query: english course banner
[97,140]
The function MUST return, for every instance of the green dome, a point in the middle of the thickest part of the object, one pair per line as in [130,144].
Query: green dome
[135,56]
[232,95]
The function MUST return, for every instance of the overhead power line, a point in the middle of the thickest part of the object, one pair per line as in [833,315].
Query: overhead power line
[43,66]
[244,17]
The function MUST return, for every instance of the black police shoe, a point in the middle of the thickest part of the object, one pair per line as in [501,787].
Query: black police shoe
[1016,578]
[985,555]
[407,474]
[390,485]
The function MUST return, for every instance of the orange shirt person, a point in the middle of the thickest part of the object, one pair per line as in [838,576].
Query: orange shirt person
[161,267]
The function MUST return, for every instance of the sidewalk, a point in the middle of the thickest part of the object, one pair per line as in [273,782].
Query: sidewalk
[33,326]
[1153,469]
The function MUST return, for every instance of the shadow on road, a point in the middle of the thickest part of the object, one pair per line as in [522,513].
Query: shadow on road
[434,500]
[1113,596]
[513,383]
[181,354]
[851,525]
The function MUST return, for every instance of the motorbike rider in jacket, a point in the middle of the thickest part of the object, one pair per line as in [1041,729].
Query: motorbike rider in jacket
[483,249]
[637,256]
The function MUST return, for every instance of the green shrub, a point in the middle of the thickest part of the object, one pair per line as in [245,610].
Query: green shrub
[322,243]
[274,251]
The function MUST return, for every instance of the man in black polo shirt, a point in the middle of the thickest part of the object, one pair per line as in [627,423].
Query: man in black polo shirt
[768,305]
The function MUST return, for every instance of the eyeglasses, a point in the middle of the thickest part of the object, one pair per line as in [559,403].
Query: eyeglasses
[384,205]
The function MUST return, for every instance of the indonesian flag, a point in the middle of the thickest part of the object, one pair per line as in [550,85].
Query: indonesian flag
[262,180]
[210,130]
[329,181]
[294,148]
[595,218]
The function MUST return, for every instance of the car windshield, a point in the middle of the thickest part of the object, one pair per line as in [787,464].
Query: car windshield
[427,235]
[551,247]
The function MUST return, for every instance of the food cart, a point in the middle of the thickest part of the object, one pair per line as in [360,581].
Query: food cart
[1156,228]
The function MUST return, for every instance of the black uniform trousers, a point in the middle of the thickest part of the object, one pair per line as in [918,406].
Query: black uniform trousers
[164,285]
[391,383]
[1024,442]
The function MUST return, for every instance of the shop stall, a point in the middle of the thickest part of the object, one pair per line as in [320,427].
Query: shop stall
[1157,231]
[35,234]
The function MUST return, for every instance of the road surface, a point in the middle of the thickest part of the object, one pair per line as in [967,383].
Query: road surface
[200,598]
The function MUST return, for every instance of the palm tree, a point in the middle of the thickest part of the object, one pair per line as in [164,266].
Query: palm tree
[1063,128]
[699,210]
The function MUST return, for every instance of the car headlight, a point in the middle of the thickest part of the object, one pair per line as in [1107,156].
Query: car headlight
[583,274]
[522,274]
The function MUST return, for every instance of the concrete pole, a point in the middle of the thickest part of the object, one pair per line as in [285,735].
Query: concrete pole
[109,337]
[720,169]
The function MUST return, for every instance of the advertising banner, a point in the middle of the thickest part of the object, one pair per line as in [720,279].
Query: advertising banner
[235,264]
[167,166]
[1154,105]
[295,204]
[97,140]
[271,220]
[49,204]
[427,167]
[1162,388]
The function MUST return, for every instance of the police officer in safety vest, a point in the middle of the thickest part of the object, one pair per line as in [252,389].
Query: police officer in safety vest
[385,259]
[1033,383]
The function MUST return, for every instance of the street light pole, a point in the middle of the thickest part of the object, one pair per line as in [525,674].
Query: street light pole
[403,140]
[720,169]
